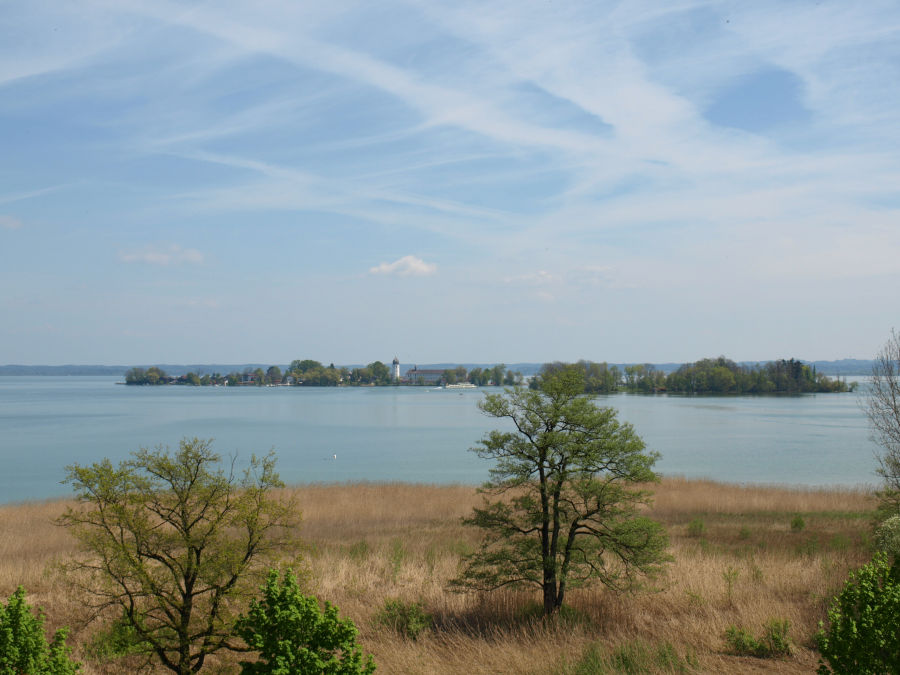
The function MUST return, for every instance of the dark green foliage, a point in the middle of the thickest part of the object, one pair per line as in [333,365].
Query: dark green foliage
[707,376]
[773,642]
[797,523]
[152,375]
[724,376]
[863,636]
[562,507]
[23,647]
[407,618]
[295,637]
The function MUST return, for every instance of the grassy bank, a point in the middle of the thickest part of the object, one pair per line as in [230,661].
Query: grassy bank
[742,556]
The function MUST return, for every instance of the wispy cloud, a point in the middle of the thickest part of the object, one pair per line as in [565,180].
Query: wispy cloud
[539,278]
[164,256]
[407,266]
[10,223]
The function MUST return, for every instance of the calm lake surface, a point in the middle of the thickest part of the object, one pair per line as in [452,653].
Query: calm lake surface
[406,433]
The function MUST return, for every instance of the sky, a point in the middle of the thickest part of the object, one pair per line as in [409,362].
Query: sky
[223,182]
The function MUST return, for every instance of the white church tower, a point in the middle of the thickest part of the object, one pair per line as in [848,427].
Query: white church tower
[396,370]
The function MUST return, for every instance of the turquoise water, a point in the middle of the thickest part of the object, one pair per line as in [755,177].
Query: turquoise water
[405,434]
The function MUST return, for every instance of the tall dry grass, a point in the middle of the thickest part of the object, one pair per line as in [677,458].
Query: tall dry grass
[367,543]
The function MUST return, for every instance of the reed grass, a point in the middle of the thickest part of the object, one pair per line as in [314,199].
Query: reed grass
[370,543]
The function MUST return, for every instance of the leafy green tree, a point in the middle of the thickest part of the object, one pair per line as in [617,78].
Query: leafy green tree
[23,647]
[294,637]
[134,376]
[172,541]
[513,378]
[273,375]
[155,375]
[380,372]
[561,506]
[863,636]
[301,367]
[497,374]
[450,376]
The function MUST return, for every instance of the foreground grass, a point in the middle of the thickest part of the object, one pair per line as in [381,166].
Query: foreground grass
[742,556]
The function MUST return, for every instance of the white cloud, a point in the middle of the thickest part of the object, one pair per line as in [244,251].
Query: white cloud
[407,266]
[170,255]
[10,223]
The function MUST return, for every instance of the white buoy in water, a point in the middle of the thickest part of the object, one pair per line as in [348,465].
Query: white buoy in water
[334,456]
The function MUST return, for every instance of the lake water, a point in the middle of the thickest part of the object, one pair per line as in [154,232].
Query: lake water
[406,433]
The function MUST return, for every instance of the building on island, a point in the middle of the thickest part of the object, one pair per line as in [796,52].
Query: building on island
[416,375]
[395,373]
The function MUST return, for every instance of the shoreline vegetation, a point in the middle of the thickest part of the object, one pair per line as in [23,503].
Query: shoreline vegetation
[743,556]
[707,376]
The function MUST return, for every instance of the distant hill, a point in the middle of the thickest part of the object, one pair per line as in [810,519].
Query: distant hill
[840,367]
[171,369]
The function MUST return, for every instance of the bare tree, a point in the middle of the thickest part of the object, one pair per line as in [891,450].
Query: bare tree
[883,411]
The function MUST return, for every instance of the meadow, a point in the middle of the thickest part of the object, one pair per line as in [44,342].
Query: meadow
[741,556]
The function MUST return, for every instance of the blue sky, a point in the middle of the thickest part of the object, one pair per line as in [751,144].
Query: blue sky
[485,181]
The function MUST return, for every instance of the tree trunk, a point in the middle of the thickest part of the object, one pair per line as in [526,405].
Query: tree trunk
[550,605]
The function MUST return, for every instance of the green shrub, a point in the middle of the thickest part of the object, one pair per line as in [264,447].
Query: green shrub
[696,528]
[863,635]
[633,657]
[407,618]
[294,637]
[887,537]
[744,532]
[797,523]
[775,637]
[729,576]
[120,638]
[23,647]
[773,642]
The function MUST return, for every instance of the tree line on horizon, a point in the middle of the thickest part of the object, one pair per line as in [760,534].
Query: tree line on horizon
[311,373]
[707,376]
[718,375]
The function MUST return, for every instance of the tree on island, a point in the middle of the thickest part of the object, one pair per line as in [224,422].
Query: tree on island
[561,507]
[172,541]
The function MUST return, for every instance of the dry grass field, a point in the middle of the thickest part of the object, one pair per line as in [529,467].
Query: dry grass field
[737,560]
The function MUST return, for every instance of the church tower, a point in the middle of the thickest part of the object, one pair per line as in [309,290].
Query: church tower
[396,369]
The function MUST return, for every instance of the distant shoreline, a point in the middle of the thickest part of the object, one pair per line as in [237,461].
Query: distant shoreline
[848,367]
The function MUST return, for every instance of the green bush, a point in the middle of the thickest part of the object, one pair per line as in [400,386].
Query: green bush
[696,528]
[407,618]
[294,637]
[773,642]
[120,638]
[863,635]
[887,537]
[632,658]
[797,523]
[23,647]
